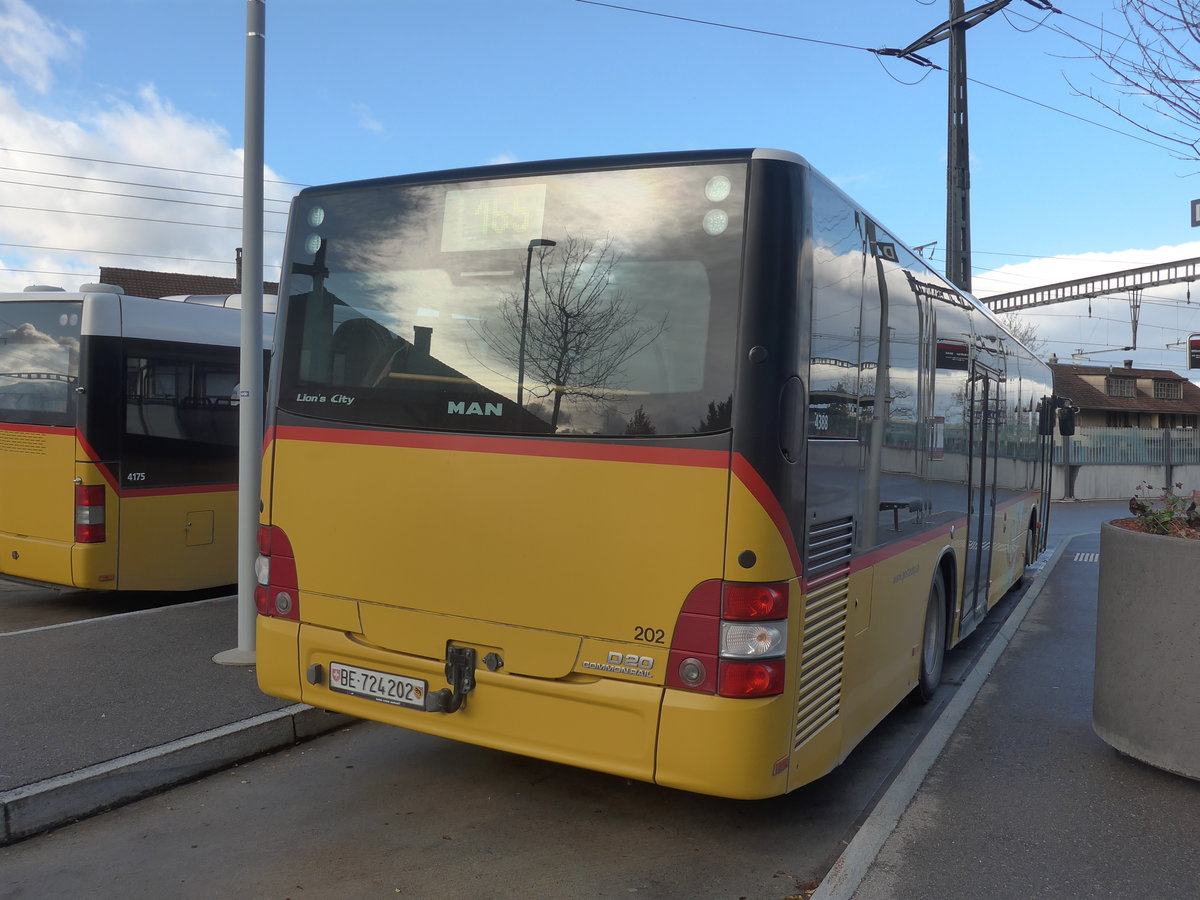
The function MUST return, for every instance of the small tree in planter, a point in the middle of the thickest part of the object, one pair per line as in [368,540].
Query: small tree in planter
[1168,513]
[1146,701]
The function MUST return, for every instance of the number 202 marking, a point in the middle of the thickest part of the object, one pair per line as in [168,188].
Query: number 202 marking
[651,635]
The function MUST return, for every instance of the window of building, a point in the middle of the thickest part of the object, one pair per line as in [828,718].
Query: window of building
[1117,419]
[1173,420]
[1168,390]
[1121,387]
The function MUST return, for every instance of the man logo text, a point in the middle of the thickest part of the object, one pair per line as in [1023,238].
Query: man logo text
[461,408]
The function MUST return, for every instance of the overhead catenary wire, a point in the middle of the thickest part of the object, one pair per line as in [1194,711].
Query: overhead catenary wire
[56,187]
[113,162]
[142,184]
[77,250]
[75,212]
[878,52]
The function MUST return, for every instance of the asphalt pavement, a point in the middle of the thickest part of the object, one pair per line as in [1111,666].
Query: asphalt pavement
[1010,792]
[100,712]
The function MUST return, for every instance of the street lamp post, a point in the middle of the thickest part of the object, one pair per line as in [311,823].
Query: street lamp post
[536,242]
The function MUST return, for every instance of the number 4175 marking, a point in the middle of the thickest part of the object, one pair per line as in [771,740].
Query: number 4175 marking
[136,476]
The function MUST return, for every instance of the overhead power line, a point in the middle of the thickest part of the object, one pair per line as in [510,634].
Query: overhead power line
[142,184]
[55,187]
[128,218]
[112,253]
[883,53]
[778,34]
[113,162]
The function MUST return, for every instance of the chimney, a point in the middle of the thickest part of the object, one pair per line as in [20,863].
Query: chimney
[422,339]
[1129,363]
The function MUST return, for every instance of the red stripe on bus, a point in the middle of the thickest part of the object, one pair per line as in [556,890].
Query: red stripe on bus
[62,430]
[886,552]
[93,457]
[753,482]
[514,446]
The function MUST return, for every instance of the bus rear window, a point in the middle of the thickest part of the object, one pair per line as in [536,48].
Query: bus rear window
[39,361]
[600,303]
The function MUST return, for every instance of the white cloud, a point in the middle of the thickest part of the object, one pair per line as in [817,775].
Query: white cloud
[366,118]
[87,206]
[1096,331]
[29,44]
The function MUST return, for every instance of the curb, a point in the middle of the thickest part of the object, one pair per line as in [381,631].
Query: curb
[57,801]
[848,872]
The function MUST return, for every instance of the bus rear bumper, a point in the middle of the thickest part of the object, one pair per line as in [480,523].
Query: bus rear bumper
[56,564]
[590,722]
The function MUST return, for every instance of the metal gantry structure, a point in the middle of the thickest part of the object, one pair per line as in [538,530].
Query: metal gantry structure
[1130,281]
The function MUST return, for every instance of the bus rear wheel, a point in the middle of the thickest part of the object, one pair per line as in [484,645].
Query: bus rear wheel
[933,643]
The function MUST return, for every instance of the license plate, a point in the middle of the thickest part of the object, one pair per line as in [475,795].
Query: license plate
[382,686]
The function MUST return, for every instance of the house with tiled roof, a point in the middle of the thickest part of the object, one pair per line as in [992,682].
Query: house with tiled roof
[1125,397]
[143,283]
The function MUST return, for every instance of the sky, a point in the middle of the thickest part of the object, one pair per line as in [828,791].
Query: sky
[121,127]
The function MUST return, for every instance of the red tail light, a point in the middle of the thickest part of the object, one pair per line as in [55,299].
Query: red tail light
[760,678]
[713,652]
[740,602]
[89,514]
[277,593]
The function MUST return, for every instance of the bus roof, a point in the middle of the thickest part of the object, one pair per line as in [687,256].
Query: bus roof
[554,166]
[228,301]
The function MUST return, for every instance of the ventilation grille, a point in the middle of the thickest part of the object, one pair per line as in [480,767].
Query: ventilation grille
[823,650]
[830,546]
[22,442]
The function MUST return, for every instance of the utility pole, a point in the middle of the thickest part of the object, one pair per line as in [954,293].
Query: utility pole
[958,162]
[958,155]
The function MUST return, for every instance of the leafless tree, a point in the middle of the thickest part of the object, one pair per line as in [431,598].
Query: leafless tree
[580,330]
[1025,331]
[1155,62]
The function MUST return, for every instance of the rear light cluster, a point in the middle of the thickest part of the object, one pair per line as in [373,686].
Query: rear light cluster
[89,514]
[277,593]
[731,640]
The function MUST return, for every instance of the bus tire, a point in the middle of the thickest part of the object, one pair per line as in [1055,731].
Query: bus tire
[1030,551]
[933,643]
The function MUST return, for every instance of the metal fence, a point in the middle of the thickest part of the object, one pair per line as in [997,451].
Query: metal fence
[1129,447]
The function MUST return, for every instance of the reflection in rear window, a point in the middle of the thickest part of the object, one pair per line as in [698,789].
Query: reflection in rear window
[39,361]
[588,303]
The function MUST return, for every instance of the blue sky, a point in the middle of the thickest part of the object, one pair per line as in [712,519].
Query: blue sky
[368,88]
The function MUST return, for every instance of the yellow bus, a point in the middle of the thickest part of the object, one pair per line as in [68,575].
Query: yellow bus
[118,439]
[676,466]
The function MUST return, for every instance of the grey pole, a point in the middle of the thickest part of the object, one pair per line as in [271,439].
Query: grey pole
[250,394]
[958,162]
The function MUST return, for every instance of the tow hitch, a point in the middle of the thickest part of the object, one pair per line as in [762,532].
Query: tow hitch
[460,672]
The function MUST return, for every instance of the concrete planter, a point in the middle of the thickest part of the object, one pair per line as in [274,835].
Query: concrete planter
[1146,701]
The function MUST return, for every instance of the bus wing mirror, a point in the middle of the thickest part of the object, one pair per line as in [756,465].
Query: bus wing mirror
[1066,420]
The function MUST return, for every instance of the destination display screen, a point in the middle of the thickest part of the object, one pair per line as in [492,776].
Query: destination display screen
[498,217]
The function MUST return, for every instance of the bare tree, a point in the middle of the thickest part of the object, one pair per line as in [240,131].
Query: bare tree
[1025,331]
[1155,63]
[580,329]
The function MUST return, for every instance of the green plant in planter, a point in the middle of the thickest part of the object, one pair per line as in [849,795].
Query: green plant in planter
[1158,519]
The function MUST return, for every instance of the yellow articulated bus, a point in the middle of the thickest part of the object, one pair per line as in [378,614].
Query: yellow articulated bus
[676,466]
[118,439]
